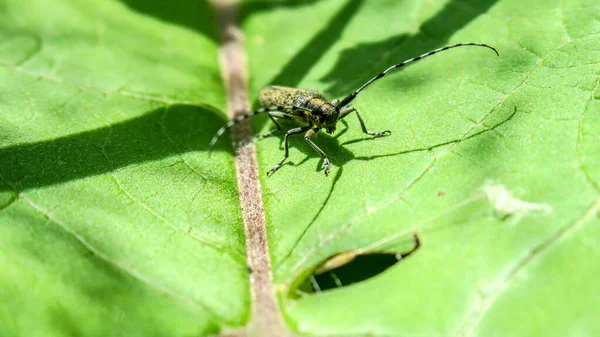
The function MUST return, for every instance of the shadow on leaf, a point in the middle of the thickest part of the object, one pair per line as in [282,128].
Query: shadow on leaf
[370,58]
[189,14]
[185,13]
[297,67]
[157,134]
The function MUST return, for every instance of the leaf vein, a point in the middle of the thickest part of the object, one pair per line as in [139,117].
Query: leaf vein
[581,166]
[104,93]
[484,303]
[174,144]
[127,269]
[230,251]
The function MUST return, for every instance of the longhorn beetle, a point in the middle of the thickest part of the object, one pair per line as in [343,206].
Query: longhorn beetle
[312,111]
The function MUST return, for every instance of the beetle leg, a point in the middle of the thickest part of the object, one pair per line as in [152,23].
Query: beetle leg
[273,115]
[238,119]
[294,131]
[347,110]
[307,137]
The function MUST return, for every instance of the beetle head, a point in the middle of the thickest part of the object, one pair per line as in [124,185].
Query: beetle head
[331,114]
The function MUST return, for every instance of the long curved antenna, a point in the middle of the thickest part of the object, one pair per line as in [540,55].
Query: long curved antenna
[353,95]
[248,115]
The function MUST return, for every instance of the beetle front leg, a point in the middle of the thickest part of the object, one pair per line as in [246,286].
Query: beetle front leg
[347,110]
[307,137]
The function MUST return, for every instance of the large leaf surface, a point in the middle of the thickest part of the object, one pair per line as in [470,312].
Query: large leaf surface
[528,120]
[115,222]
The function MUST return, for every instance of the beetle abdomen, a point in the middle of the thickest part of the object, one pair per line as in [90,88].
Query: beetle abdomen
[285,96]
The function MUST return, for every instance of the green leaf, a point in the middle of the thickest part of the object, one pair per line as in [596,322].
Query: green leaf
[527,120]
[114,221]
[106,229]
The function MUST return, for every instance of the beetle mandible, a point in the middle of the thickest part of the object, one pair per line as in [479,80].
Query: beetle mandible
[312,111]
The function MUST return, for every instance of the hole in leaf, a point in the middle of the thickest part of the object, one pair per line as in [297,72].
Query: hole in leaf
[351,267]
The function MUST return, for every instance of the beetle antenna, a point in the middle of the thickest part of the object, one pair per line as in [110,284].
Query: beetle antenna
[240,118]
[353,95]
